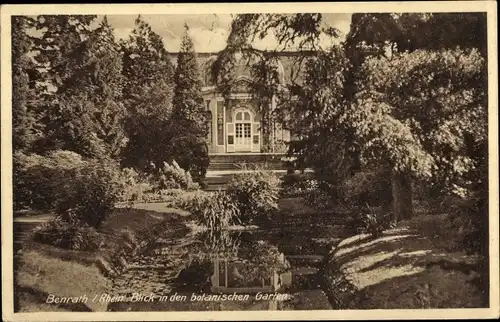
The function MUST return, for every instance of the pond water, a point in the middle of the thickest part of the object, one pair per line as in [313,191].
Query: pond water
[276,268]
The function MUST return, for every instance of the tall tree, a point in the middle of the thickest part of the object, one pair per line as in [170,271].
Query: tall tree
[26,126]
[189,118]
[61,39]
[188,101]
[97,81]
[61,35]
[87,113]
[148,90]
[314,108]
[418,110]
[380,36]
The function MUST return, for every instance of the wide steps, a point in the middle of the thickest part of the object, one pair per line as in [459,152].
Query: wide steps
[222,166]
[215,179]
[246,158]
[241,161]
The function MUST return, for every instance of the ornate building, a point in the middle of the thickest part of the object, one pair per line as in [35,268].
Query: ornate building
[235,125]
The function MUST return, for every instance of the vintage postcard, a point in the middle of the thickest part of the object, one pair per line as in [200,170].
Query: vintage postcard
[249,161]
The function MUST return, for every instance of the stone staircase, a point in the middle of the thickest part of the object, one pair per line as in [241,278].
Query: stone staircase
[224,166]
[224,162]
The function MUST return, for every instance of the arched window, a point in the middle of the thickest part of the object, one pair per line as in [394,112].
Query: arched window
[243,116]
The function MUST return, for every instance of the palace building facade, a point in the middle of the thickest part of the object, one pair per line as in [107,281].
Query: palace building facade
[235,121]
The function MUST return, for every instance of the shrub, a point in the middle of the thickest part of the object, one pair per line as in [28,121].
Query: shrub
[318,198]
[174,177]
[36,177]
[213,210]
[372,224]
[371,187]
[470,220]
[369,220]
[315,193]
[68,234]
[132,185]
[256,194]
[90,191]
[296,184]
[191,152]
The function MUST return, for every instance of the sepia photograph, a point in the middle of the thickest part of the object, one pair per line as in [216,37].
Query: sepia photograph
[294,158]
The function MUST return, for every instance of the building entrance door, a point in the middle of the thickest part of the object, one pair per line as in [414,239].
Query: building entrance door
[243,132]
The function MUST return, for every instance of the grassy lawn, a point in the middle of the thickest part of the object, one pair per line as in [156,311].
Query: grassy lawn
[43,269]
[41,275]
[411,267]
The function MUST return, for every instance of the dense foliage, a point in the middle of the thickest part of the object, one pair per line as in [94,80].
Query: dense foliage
[90,192]
[215,211]
[189,112]
[69,235]
[402,99]
[78,93]
[148,92]
[390,98]
[174,177]
[37,178]
[255,193]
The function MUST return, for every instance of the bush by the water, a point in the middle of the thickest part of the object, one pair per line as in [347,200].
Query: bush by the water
[295,184]
[133,186]
[316,194]
[63,181]
[91,191]
[189,149]
[164,184]
[255,193]
[68,234]
[36,178]
[169,196]
[172,176]
[215,210]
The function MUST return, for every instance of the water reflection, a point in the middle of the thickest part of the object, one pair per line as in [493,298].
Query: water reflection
[238,262]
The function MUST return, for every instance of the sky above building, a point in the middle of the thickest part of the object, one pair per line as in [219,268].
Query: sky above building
[208,31]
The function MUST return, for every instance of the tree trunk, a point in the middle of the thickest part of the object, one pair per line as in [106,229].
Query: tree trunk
[401,196]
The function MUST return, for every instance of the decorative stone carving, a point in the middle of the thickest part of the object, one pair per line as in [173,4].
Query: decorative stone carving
[241,85]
